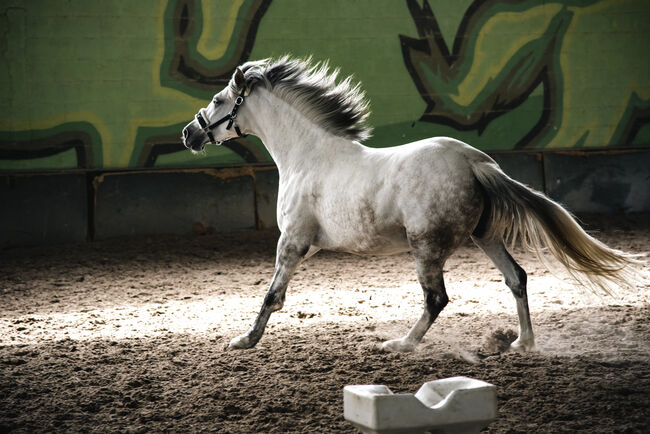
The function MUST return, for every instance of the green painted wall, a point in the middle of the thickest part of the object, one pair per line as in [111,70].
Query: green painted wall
[109,84]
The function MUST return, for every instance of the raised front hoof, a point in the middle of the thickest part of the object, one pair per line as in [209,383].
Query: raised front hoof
[522,346]
[398,346]
[241,343]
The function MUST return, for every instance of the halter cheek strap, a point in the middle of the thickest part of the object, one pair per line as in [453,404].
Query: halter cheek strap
[230,118]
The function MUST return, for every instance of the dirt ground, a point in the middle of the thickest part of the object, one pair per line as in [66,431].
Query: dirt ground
[130,335]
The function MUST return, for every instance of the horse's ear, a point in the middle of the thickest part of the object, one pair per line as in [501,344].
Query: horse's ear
[240,80]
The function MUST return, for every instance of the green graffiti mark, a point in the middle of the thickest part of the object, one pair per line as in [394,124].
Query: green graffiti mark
[184,67]
[108,85]
[504,51]
[77,66]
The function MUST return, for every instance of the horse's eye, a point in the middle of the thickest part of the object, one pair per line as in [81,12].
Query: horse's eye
[216,101]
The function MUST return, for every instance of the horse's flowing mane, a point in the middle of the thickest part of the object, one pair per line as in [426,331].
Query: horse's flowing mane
[340,108]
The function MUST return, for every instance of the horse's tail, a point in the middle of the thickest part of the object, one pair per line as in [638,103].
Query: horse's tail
[515,211]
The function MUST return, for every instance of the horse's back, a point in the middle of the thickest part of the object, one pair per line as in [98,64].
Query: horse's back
[446,148]
[436,164]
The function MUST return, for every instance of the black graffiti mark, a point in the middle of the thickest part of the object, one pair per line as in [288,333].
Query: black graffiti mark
[49,146]
[526,72]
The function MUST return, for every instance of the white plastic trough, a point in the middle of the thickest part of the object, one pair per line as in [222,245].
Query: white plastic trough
[451,405]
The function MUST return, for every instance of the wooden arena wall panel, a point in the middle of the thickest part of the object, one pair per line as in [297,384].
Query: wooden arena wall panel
[599,182]
[109,85]
[38,209]
[266,194]
[162,202]
[525,167]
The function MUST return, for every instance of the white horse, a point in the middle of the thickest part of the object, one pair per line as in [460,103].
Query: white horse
[425,197]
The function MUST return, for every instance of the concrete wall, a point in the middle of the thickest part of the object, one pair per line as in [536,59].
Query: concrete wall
[59,208]
[43,208]
[586,182]
[108,85]
[64,208]
[94,96]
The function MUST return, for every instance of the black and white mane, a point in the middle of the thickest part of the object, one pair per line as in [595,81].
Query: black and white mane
[340,108]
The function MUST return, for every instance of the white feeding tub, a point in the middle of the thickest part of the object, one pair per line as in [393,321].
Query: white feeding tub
[451,405]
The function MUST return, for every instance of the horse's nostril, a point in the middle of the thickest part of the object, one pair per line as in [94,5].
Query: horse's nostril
[186,132]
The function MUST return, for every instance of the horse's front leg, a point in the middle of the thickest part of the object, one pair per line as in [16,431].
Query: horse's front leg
[289,255]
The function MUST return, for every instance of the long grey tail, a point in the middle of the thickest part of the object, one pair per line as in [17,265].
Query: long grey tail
[518,212]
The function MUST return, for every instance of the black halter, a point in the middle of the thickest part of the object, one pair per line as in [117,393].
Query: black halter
[230,117]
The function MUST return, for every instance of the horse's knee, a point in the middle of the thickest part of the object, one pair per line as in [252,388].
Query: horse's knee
[274,301]
[517,282]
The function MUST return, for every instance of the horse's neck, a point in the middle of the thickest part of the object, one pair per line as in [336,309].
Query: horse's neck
[294,141]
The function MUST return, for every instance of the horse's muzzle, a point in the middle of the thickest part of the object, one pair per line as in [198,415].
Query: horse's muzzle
[193,138]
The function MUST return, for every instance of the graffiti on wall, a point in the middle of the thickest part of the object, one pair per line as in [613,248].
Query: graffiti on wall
[101,86]
[109,85]
[184,68]
[461,90]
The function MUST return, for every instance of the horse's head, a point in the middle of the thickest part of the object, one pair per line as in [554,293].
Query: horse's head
[217,122]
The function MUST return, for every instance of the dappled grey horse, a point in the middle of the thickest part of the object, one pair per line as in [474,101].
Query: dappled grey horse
[425,197]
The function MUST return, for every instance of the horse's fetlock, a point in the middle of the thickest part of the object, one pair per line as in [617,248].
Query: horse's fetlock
[523,344]
[243,342]
[398,345]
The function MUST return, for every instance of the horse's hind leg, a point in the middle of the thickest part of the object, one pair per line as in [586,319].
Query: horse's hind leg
[435,299]
[515,277]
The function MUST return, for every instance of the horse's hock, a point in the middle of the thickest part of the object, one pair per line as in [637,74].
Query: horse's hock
[451,405]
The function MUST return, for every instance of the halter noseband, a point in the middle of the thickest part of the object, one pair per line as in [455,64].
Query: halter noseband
[230,117]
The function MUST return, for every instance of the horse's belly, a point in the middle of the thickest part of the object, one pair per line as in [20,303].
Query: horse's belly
[385,242]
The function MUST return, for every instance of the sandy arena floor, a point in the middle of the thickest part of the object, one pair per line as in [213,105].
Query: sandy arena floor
[130,335]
